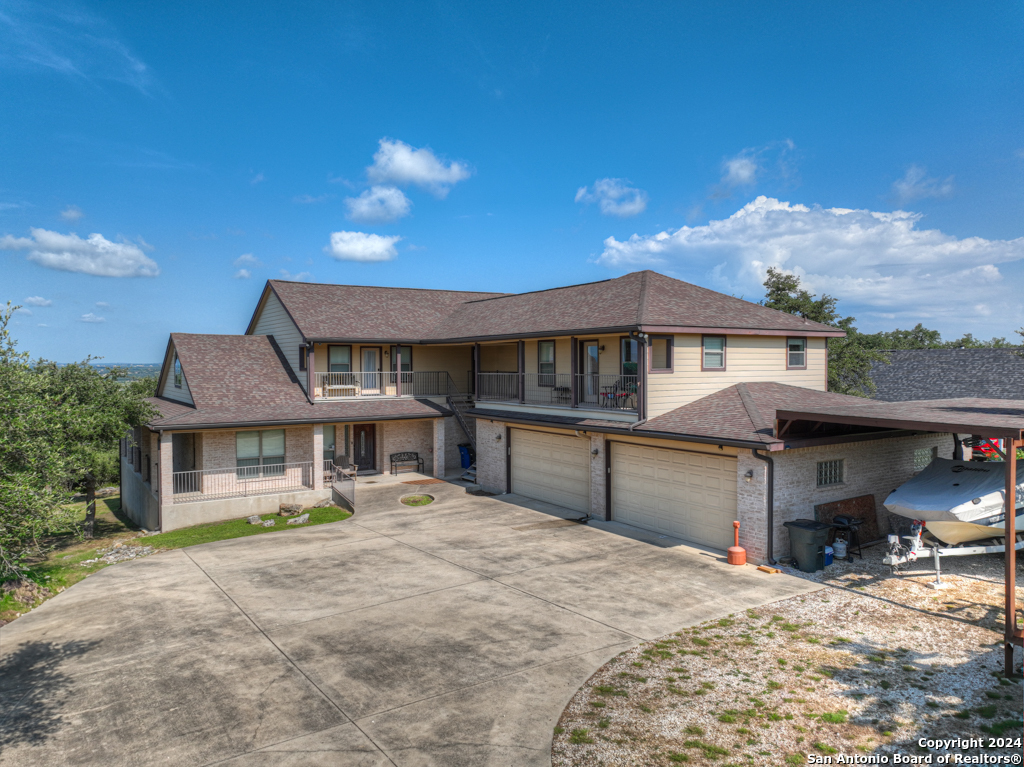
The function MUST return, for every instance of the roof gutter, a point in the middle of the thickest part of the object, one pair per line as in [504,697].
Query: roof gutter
[293,422]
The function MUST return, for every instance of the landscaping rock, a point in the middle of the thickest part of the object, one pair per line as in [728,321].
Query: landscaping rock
[289,509]
[120,552]
[270,523]
[254,520]
[299,520]
[324,504]
[25,591]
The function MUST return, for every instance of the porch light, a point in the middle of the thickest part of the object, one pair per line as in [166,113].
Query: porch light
[749,475]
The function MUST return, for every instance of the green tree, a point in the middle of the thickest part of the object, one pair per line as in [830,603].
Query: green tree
[850,358]
[919,337]
[61,425]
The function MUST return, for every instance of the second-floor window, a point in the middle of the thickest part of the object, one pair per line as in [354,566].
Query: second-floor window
[259,453]
[630,357]
[303,357]
[339,359]
[796,353]
[177,371]
[713,353]
[546,363]
[661,354]
[406,358]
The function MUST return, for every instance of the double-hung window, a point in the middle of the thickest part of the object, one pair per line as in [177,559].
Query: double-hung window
[630,359]
[406,352]
[796,353]
[259,453]
[339,359]
[546,363]
[713,353]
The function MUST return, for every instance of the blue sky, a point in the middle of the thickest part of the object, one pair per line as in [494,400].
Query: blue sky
[158,162]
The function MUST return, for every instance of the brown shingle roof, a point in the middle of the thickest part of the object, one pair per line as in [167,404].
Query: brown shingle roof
[238,380]
[637,299]
[355,312]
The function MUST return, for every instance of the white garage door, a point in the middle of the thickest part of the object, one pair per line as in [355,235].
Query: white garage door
[685,495]
[552,468]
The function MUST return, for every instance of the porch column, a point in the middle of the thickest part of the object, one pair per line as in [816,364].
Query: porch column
[521,370]
[311,371]
[641,379]
[439,450]
[476,370]
[574,363]
[398,370]
[318,456]
[164,488]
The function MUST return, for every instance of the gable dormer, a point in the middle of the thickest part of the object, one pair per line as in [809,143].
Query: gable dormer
[172,383]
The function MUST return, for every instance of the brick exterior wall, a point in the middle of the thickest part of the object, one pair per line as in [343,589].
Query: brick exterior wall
[876,467]
[218,447]
[453,437]
[164,484]
[752,506]
[405,436]
[491,456]
[439,451]
[598,472]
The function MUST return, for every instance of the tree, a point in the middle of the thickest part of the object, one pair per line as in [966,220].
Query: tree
[850,358]
[60,430]
[919,337]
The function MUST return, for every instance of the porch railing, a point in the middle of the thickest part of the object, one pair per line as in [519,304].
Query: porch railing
[344,481]
[242,481]
[593,391]
[390,384]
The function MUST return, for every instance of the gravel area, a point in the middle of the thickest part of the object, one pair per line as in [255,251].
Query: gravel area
[120,552]
[868,665]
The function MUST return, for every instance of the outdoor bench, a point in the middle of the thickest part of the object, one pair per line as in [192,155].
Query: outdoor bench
[406,459]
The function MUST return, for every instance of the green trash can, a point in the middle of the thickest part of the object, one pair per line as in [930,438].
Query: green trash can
[807,539]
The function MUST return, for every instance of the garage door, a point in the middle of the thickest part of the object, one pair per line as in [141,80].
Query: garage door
[685,495]
[552,468]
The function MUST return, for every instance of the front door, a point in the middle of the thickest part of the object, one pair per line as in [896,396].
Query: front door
[364,454]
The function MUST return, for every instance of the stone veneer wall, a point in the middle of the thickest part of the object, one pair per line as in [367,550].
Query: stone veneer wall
[875,467]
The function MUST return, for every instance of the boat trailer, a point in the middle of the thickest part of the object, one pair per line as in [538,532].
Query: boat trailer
[901,554]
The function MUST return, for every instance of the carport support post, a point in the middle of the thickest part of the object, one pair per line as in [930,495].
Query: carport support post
[1010,634]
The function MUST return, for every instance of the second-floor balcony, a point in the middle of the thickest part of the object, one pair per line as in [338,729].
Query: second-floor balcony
[339,385]
[592,391]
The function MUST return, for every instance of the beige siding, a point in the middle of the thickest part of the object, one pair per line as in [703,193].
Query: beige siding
[499,358]
[179,393]
[748,358]
[274,321]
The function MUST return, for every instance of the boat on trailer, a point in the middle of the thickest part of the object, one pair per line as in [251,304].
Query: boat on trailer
[958,501]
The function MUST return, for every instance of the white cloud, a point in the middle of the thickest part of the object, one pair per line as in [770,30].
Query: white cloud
[378,204]
[247,259]
[875,262]
[102,304]
[23,310]
[96,255]
[300,277]
[359,246]
[259,178]
[38,301]
[753,164]
[243,274]
[71,213]
[90,317]
[916,185]
[398,163]
[614,196]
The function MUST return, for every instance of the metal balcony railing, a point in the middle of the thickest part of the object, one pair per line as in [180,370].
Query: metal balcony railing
[241,481]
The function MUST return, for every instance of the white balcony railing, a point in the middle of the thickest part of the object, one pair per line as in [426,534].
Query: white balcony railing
[390,384]
[242,481]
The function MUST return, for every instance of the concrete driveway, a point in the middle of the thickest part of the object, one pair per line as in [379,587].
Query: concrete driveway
[452,634]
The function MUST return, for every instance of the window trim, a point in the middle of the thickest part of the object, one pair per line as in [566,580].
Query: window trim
[261,466]
[842,473]
[670,352]
[392,352]
[303,358]
[554,363]
[177,372]
[703,352]
[796,367]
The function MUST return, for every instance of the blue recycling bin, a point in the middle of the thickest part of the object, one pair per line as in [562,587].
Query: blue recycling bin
[464,453]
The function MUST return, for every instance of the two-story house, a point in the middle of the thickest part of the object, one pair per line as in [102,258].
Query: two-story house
[642,399]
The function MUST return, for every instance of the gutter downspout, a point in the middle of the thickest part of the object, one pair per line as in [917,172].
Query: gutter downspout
[770,502]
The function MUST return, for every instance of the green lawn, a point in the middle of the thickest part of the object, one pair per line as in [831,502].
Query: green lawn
[62,568]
